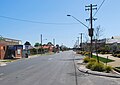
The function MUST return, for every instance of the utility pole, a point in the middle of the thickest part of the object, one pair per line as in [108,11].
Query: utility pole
[78,42]
[41,43]
[90,30]
[81,41]
[54,42]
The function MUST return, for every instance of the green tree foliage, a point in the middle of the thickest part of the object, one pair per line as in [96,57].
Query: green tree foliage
[37,44]
[33,51]
[95,66]
[98,67]
[49,44]
[108,69]
[86,59]
[27,43]
[105,49]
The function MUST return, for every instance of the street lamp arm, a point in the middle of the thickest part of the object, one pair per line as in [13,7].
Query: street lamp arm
[78,21]
[44,39]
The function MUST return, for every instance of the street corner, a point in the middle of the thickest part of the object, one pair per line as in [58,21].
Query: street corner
[83,69]
[104,74]
[79,62]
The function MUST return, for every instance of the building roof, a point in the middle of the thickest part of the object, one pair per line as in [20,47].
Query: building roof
[114,39]
[9,41]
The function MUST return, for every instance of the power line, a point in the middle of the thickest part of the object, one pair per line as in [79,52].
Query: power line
[24,20]
[99,8]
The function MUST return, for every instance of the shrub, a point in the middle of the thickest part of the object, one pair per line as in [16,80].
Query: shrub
[108,68]
[115,55]
[86,53]
[89,65]
[102,52]
[118,55]
[98,67]
[83,52]
[93,60]
[117,52]
[86,59]
[78,52]
[95,66]
[106,52]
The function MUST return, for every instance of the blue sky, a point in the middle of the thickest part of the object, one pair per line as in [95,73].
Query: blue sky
[52,12]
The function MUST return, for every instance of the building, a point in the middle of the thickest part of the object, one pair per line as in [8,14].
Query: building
[113,43]
[2,50]
[10,48]
[48,48]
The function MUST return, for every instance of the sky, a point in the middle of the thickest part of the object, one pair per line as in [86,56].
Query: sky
[52,20]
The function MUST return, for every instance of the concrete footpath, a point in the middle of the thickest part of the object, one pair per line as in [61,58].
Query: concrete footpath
[5,62]
[2,63]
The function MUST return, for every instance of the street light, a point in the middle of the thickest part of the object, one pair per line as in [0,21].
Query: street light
[78,21]
[90,32]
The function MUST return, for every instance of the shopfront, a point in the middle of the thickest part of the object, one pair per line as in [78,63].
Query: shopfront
[14,51]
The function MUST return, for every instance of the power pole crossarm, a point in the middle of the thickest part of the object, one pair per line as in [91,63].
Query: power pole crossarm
[91,8]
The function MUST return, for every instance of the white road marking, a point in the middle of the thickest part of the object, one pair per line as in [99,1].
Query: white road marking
[50,58]
[3,64]
[1,74]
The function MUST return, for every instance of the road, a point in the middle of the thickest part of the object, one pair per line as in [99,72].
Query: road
[57,69]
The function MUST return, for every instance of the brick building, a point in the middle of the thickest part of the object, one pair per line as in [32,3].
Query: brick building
[10,48]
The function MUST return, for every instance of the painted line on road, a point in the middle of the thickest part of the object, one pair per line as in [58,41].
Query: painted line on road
[50,59]
[29,67]
[3,64]
[1,74]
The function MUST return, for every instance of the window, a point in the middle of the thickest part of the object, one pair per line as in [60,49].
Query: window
[19,51]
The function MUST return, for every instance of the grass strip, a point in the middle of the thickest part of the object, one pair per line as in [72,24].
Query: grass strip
[7,60]
[104,60]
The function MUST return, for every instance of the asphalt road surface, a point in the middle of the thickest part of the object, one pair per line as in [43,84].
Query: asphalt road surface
[57,69]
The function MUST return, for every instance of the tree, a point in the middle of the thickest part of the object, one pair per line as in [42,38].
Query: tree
[57,48]
[49,44]
[63,48]
[27,43]
[27,46]
[107,48]
[85,46]
[37,44]
[98,33]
